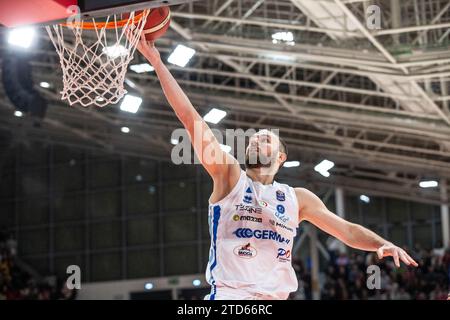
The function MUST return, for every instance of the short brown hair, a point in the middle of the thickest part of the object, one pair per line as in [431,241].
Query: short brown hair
[283,146]
[284,149]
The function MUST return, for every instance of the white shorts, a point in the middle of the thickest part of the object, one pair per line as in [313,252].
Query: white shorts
[236,294]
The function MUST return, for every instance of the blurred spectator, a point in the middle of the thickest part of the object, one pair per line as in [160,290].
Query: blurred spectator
[344,277]
[16,284]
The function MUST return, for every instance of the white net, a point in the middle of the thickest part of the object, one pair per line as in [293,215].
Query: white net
[95,57]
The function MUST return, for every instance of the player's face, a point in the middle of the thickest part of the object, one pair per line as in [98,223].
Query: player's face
[262,150]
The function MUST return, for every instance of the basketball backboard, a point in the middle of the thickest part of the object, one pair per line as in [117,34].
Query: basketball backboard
[28,12]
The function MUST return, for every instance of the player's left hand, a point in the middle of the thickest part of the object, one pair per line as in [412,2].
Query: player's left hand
[391,250]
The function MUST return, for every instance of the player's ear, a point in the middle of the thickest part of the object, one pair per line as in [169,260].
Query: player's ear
[282,156]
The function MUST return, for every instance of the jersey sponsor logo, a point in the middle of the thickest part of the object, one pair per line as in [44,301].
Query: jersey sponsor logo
[280,208]
[260,234]
[237,217]
[249,209]
[284,255]
[246,251]
[280,195]
[262,203]
[280,214]
[282,217]
[277,224]
[248,197]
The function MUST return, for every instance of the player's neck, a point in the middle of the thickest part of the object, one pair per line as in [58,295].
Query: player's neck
[259,176]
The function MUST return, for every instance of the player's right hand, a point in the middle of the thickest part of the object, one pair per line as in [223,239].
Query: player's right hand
[389,249]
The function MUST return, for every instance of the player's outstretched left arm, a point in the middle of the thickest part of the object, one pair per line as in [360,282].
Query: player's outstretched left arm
[312,209]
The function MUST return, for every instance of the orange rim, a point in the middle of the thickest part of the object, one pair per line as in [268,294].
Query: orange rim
[106,25]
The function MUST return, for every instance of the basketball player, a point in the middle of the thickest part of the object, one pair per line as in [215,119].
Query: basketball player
[253,218]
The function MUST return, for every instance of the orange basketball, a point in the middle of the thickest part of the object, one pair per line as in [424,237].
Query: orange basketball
[158,22]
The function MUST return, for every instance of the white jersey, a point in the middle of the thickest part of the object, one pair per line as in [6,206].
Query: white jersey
[252,230]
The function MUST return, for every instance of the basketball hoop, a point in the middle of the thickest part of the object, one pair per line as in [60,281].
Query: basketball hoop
[95,56]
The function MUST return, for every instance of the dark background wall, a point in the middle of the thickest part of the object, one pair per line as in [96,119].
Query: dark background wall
[120,217]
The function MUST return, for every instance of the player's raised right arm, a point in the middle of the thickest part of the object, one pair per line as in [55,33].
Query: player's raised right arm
[221,166]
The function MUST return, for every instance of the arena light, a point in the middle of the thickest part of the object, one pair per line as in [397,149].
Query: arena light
[428,184]
[215,115]
[130,83]
[141,68]
[291,164]
[116,51]
[18,113]
[44,84]
[323,167]
[280,57]
[225,148]
[181,55]
[283,37]
[21,37]
[364,198]
[196,283]
[125,129]
[148,286]
[131,103]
